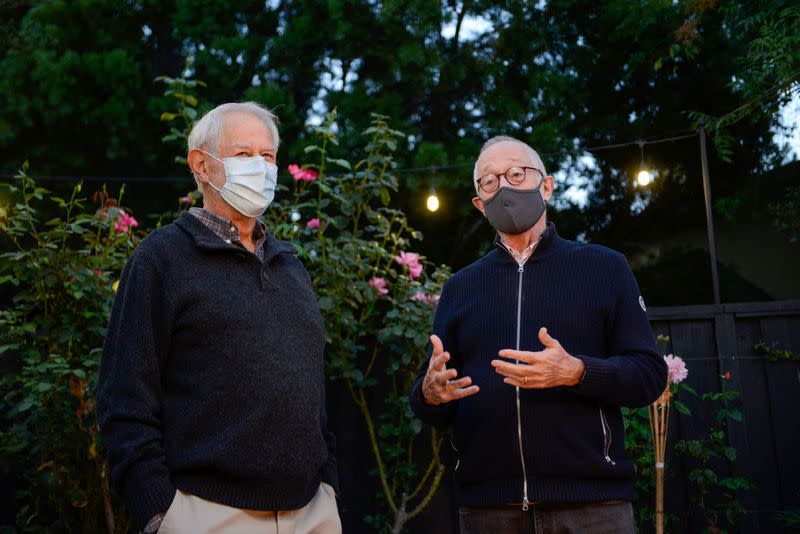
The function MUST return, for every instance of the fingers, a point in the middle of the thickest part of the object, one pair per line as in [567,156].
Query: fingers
[437,363]
[521,355]
[443,378]
[438,356]
[463,392]
[444,388]
[518,383]
[512,370]
[437,345]
[547,340]
[461,383]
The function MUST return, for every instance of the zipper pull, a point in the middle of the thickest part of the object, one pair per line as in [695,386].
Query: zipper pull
[525,503]
[520,269]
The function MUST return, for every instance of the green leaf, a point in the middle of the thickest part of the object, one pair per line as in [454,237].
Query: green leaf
[681,407]
[341,162]
[25,405]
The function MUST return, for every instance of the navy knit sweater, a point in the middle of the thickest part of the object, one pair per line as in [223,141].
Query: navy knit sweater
[572,438]
[212,376]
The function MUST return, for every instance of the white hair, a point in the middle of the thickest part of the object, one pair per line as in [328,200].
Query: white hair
[205,132]
[503,139]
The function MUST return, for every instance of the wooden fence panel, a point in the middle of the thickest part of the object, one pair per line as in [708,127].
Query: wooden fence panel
[762,467]
[784,387]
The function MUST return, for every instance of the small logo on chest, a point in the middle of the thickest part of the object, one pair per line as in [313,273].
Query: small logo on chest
[641,303]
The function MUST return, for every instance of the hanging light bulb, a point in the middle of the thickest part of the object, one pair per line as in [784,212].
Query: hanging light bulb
[432,202]
[645,176]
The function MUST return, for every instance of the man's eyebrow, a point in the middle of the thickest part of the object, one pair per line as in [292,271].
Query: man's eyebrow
[245,145]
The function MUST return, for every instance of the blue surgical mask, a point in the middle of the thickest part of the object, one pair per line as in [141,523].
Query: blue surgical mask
[250,185]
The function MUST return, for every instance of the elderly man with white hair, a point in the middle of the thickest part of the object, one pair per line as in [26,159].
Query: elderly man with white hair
[536,347]
[211,397]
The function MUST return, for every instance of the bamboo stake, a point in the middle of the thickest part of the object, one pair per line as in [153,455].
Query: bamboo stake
[659,418]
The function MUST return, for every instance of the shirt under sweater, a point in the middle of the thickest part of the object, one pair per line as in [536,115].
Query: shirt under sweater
[572,438]
[212,376]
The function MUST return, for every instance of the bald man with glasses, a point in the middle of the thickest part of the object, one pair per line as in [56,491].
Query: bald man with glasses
[535,348]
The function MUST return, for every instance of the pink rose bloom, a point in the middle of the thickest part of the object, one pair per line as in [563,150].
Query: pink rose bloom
[309,175]
[422,297]
[98,272]
[380,286]
[125,222]
[676,369]
[410,260]
[313,223]
[299,174]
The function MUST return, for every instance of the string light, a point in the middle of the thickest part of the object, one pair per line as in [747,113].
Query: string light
[432,202]
[645,177]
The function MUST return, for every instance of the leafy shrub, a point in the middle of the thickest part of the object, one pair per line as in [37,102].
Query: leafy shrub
[61,276]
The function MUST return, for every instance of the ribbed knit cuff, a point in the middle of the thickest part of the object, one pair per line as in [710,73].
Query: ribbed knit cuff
[599,378]
[146,498]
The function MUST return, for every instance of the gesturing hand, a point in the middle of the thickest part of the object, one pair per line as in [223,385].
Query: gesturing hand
[548,368]
[439,385]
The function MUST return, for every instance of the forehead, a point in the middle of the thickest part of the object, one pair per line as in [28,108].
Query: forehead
[500,156]
[244,129]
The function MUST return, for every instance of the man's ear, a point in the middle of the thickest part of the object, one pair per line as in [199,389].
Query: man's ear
[197,164]
[478,203]
[548,186]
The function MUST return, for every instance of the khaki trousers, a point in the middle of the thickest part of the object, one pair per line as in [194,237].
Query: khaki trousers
[189,514]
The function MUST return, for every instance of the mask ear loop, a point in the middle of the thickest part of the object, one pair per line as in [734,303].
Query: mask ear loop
[217,189]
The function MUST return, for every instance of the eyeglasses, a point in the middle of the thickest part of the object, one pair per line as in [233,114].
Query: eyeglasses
[488,183]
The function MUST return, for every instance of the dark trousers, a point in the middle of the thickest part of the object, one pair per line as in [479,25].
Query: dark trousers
[596,518]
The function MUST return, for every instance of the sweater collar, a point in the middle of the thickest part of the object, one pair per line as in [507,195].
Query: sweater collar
[206,239]
[548,241]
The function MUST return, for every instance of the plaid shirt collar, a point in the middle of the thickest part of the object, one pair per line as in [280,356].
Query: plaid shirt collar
[228,232]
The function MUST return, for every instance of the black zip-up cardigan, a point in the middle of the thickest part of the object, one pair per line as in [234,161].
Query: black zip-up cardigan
[572,438]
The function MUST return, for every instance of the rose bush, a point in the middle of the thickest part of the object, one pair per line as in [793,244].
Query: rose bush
[59,275]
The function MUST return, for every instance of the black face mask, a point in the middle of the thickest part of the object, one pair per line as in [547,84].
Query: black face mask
[514,211]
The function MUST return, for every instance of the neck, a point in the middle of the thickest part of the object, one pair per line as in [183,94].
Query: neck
[519,242]
[214,203]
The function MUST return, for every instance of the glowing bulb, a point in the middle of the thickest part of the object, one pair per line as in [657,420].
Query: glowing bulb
[644,178]
[433,202]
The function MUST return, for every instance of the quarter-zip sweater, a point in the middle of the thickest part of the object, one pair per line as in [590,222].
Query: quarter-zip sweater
[555,445]
[212,376]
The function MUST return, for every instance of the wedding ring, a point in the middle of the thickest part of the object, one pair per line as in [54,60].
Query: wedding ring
[524,379]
